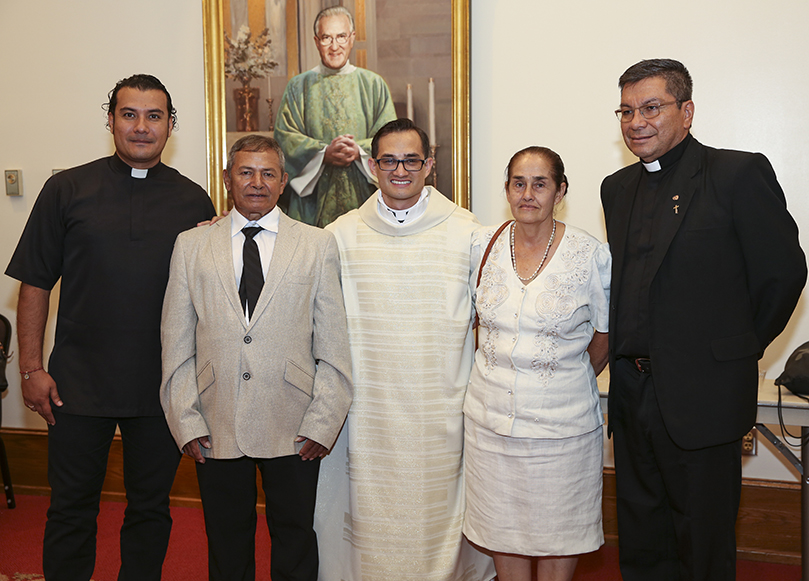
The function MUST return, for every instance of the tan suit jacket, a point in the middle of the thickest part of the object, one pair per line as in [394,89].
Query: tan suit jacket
[253,388]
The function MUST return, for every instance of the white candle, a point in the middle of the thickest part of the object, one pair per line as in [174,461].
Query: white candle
[431,88]
[410,101]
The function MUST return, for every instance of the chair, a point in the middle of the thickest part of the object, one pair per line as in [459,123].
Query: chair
[5,340]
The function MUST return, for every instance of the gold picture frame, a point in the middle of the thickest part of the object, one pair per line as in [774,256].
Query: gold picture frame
[213,36]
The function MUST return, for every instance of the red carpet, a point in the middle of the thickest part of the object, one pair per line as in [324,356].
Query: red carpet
[21,531]
[22,528]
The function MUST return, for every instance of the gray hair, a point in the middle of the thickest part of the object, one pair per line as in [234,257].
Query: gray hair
[334,11]
[256,143]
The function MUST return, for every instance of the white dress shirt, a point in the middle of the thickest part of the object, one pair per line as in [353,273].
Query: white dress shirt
[265,240]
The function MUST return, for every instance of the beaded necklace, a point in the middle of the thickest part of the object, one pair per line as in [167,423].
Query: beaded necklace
[544,257]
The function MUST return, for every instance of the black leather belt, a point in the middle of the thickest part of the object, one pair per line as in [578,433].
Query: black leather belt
[643,365]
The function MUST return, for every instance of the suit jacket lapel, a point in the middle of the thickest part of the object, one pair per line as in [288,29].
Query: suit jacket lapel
[222,251]
[620,211]
[285,244]
[683,185]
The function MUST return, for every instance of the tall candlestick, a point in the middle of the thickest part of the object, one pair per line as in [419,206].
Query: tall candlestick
[431,88]
[410,101]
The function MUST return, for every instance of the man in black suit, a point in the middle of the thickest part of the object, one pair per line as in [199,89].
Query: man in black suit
[706,273]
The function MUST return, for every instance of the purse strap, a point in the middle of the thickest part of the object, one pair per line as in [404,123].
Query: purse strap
[495,236]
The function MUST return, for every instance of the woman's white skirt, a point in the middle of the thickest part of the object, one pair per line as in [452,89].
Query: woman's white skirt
[532,496]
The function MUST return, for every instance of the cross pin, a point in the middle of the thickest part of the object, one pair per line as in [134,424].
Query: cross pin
[677,209]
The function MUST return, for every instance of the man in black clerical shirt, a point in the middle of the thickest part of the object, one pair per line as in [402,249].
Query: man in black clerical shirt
[107,229]
[706,273]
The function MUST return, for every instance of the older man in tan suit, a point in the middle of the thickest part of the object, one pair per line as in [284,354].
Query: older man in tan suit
[256,373]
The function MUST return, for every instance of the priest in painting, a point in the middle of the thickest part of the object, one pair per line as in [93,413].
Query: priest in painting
[325,123]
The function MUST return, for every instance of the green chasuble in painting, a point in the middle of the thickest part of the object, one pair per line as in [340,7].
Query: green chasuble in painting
[318,106]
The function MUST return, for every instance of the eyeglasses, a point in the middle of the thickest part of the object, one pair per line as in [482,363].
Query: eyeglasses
[646,111]
[341,38]
[391,164]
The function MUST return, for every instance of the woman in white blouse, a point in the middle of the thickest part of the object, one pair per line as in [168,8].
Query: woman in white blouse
[533,423]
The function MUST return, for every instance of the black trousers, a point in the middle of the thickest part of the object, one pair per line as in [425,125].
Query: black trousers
[676,508]
[228,491]
[78,448]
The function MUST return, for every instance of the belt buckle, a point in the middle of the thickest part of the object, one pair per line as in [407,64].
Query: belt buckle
[643,364]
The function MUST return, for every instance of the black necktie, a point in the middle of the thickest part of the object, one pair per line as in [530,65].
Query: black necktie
[252,276]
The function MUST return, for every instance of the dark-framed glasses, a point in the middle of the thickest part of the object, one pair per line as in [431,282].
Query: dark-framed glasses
[391,163]
[341,38]
[625,114]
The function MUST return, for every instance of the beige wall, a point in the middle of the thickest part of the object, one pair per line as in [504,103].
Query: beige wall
[58,61]
[542,73]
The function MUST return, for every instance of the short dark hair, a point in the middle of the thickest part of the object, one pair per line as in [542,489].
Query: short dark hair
[400,126]
[142,83]
[333,11]
[678,79]
[256,143]
[553,159]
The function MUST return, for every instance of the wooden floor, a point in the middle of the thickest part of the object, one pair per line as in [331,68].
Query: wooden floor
[768,527]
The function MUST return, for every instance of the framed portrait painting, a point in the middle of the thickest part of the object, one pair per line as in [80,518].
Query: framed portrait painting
[420,49]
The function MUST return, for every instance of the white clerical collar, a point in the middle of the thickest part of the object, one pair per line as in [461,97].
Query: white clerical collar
[670,158]
[400,217]
[268,221]
[324,70]
[139,173]
[653,166]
